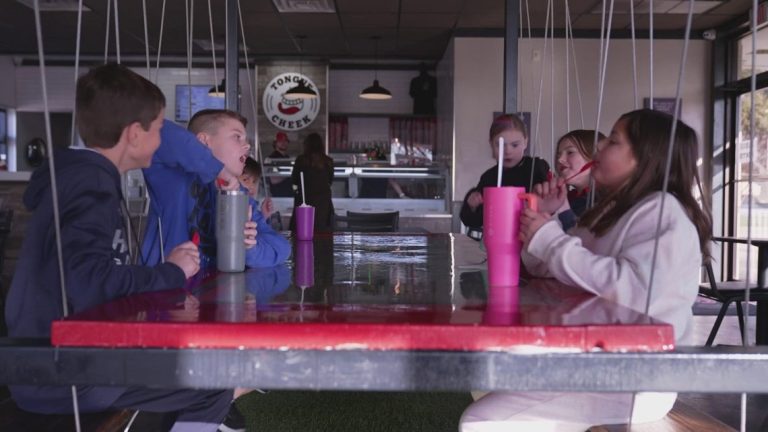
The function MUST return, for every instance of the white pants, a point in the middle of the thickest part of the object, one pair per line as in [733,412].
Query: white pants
[561,412]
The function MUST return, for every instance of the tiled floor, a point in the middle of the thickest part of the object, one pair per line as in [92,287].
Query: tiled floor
[727,407]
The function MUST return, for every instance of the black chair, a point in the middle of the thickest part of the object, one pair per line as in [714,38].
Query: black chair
[727,292]
[368,222]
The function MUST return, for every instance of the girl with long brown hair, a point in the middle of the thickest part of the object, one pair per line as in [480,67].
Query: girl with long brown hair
[610,253]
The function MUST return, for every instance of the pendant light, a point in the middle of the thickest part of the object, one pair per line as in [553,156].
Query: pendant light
[375,92]
[217,90]
[301,91]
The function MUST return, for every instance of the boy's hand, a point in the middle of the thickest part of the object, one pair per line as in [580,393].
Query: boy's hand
[267,208]
[474,200]
[552,195]
[227,181]
[530,222]
[187,257]
[250,234]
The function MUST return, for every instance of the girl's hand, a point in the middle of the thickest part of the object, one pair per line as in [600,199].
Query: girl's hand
[530,222]
[474,200]
[250,234]
[552,195]
[267,208]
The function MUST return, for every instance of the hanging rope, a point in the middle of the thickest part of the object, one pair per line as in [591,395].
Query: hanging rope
[605,43]
[650,48]
[254,110]
[213,49]
[576,70]
[117,34]
[54,187]
[188,16]
[567,72]
[535,139]
[552,86]
[670,148]
[77,64]
[160,43]
[146,37]
[634,52]
[106,36]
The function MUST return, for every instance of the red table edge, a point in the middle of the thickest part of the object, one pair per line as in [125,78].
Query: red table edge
[367,336]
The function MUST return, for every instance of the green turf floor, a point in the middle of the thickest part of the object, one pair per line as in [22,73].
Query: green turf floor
[284,411]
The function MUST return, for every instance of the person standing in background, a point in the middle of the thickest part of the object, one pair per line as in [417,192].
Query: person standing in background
[280,186]
[318,176]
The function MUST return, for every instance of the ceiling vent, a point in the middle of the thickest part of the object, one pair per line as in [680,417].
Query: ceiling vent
[55,5]
[305,6]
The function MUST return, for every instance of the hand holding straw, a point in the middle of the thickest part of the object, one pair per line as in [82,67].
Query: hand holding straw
[501,161]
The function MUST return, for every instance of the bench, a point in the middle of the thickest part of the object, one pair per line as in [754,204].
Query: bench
[682,418]
[14,419]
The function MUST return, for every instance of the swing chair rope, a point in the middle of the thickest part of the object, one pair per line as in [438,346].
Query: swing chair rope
[117,34]
[534,140]
[634,52]
[106,36]
[254,111]
[160,43]
[54,187]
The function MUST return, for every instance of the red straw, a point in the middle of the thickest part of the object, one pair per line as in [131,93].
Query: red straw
[586,166]
[196,238]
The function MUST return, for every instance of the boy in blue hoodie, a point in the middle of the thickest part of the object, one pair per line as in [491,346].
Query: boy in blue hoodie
[183,191]
[119,116]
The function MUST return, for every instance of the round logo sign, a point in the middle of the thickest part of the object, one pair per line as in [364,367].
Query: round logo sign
[289,114]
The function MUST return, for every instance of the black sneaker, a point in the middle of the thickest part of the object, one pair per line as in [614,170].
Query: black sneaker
[234,421]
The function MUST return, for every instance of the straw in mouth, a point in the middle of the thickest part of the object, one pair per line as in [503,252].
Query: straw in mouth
[586,166]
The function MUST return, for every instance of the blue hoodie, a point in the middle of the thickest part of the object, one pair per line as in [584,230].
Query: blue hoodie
[183,197]
[96,257]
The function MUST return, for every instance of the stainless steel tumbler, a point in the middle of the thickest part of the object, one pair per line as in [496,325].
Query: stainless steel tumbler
[231,215]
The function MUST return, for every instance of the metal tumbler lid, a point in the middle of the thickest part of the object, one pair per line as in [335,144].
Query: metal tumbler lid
[231,192]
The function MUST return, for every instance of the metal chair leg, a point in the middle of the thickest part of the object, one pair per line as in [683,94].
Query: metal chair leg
[740,313]
[718,321]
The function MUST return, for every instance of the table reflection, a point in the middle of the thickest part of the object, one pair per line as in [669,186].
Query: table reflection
[383,291]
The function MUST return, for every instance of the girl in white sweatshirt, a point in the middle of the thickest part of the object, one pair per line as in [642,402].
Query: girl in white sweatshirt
[610,254]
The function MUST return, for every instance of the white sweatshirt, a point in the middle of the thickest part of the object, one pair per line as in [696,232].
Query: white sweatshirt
[617,265]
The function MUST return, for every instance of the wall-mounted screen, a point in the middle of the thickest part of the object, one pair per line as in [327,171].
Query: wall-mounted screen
[200,100]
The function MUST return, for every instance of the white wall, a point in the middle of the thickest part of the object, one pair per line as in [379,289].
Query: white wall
[478,92]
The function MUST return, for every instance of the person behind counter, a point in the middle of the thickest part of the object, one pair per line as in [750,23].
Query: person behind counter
[516,167]
[280,186]
[318,176]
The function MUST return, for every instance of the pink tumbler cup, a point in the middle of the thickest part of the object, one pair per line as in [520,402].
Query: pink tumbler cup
[305,222]
[305,264]
[501,225]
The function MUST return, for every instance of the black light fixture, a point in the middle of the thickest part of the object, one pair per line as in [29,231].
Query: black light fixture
[302,90]
[217,90]
[375,92]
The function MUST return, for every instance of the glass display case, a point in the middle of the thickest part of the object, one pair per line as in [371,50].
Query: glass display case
[414,187]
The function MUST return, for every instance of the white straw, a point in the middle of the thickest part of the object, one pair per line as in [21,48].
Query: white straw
[303,198]
[501,161]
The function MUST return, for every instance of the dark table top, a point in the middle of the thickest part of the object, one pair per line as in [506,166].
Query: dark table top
[372,292]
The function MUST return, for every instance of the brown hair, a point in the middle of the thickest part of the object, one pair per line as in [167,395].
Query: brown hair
[314,150]
[648,132]
[111,97]
[507,122]
[252,168]
[584,140]
[207,120]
